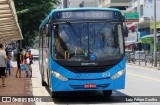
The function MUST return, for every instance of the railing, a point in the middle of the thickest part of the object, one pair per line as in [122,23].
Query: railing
[142,58]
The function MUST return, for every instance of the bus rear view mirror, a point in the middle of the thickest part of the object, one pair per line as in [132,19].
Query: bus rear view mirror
[114,29]
[48,30]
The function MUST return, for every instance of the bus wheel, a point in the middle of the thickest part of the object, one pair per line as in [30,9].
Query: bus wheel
[107,93]
[44,83]
[55,94]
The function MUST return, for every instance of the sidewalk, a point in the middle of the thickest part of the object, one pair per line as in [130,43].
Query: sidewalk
[142,64]
[16,86]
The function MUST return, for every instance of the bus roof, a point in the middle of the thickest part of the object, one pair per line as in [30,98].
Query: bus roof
[70,9]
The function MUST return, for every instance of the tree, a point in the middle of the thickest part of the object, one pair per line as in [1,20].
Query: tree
[30,15]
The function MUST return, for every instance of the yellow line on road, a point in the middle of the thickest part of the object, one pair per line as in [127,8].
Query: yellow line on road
[144,77]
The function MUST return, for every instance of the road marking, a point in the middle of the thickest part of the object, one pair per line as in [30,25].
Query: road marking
[144,77]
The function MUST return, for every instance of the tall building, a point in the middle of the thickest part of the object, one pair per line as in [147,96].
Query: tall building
[145,9]
[119,4]
[63,4]
[82,3]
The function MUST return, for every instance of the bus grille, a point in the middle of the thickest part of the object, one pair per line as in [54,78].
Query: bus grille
[88,69]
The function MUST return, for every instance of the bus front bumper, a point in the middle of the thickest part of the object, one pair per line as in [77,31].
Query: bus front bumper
[87,85]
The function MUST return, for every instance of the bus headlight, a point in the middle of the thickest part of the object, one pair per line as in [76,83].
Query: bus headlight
[118,74]
[59,76]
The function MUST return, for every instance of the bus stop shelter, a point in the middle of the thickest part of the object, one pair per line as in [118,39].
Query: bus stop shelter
[9,27]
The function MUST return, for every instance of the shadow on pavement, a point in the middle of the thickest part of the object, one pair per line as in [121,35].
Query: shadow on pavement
[91,97]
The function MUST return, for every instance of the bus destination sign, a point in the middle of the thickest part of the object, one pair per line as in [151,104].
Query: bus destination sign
[87,15]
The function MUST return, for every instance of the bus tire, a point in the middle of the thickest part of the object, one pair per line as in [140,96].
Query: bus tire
[55,94]
[107,93]
[44,83]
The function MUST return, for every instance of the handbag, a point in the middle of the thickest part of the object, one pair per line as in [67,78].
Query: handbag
[28,61]
[23,67]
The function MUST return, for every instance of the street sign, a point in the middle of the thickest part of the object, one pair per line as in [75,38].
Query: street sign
[131,16]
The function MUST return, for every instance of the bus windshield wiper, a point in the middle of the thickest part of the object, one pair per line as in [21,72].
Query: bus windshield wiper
[72,28]
[103,26]
[74,31]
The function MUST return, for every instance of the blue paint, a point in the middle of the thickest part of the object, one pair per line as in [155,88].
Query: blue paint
[92,57]
[76,81]
[69,9]
[79,79]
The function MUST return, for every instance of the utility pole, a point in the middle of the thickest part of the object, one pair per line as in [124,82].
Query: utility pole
[155,47]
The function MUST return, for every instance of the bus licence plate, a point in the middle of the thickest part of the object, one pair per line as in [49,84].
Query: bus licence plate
[89,85]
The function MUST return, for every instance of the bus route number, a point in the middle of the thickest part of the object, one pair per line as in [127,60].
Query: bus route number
[106,74]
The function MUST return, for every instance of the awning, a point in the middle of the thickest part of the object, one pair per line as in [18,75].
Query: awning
[127,43]
[150,36]
[9,27]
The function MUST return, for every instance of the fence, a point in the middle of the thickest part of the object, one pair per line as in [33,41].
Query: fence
[142,58]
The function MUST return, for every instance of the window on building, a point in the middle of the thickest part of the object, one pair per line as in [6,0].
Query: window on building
[141,10]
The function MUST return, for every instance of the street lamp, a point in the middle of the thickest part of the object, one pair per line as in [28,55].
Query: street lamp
[137,36]
[155,47]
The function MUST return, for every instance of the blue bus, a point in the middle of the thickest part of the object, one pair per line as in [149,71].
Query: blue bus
[82,49]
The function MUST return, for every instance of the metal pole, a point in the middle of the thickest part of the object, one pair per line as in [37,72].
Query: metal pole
[155,48]
[152,59]
[137,36]
[139,57]
[134,57]
[145,58]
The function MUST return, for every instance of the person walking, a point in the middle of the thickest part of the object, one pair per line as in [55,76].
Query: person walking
[28,60]
[8,68]
[3,62]
[19,61]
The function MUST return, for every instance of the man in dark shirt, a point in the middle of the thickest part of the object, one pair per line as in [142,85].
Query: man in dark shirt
[19,61]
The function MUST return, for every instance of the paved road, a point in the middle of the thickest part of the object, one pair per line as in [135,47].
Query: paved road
[140,81]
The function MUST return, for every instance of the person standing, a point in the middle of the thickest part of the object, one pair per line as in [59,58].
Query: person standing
[19,61]
[28,60]
[8,68]
[3,62]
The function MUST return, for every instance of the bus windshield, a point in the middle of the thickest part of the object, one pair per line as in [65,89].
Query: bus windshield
[87,41]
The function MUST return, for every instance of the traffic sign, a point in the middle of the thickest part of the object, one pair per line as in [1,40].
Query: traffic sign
[131,16]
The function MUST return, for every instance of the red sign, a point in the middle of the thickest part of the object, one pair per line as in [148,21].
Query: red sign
[89,85]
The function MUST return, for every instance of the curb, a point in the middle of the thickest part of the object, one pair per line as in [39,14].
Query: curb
[157,68]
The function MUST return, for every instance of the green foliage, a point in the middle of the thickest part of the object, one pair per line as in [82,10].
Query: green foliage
[147,40]
[30,15]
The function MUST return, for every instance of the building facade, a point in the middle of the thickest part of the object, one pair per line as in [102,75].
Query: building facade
[119,4]
[63,4]
[82,3]
[145,9]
